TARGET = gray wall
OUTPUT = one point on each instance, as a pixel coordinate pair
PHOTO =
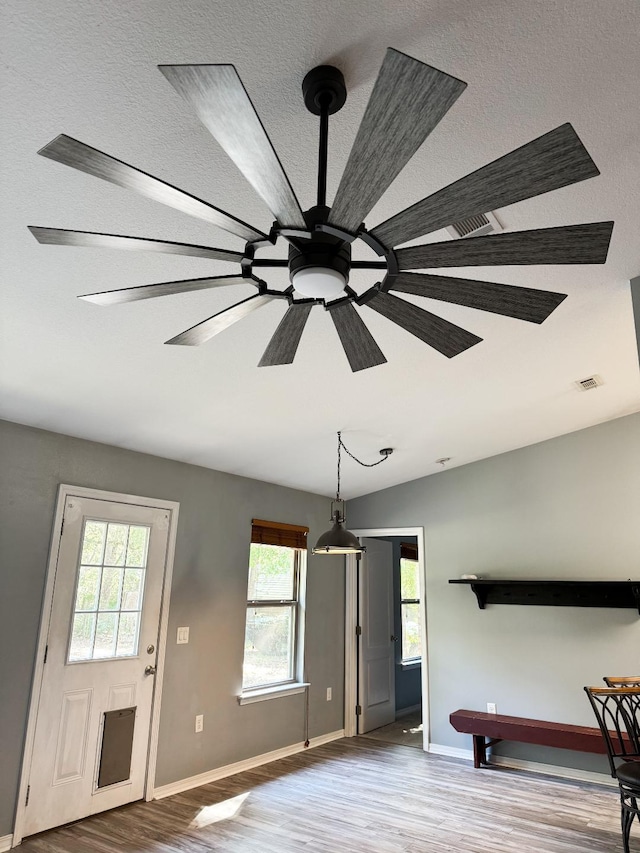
(208, 594)
(564, 508)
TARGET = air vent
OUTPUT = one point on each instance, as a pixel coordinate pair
(590, 382)
(475, 226)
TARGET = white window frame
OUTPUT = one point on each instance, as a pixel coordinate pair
(295, 684)
(416, 660)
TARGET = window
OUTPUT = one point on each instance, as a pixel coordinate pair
(411, 648)
(109, 589)
(272, 646)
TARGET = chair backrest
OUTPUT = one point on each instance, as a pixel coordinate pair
(622, 680)
(617, 710)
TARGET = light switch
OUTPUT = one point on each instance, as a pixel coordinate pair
(183, 635)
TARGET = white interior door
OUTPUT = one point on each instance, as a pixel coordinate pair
(103, 634)
(376, 664)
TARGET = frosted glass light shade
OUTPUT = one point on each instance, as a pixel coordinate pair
(319, 283)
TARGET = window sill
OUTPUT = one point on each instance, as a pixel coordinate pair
(414, 664)
(272, 692)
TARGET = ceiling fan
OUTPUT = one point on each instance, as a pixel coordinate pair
(408, 100)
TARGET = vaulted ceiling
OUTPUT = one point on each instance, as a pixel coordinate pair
(103, 373)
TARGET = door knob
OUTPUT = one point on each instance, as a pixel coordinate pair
(394, 639)
(149, 670)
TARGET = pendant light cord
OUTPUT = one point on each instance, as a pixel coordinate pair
(342, 446)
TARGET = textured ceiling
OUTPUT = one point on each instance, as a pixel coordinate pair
(89, 70)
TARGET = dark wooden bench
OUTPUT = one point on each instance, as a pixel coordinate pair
(489, 729)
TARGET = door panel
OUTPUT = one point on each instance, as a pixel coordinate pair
(104, 618)
(376, 649)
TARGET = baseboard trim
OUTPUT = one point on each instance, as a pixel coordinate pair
(5, 842)
(450, 751)
(240, 766)
(530, 766)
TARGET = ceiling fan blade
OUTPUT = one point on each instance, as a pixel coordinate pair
(66, 237)
(523, 303)
(201, 332)
(64, 149)
(408, 100)
(283, 345)
(568, 244)
(167, 288)
(222, 104)
(357, 341)
(440, 334)
(547, 163)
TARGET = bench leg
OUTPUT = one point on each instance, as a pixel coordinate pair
(479, 751)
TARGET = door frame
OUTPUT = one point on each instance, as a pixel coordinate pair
(350, 639)
(65, 491)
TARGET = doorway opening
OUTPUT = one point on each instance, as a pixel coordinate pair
(386, 664)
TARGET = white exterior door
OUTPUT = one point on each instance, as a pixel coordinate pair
(376, 668)
(103, 634)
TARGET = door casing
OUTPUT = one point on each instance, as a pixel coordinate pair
(350, 640)
(65, 491)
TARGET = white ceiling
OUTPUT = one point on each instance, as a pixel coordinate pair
(89, 70)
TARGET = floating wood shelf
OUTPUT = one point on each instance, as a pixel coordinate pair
(555, 593)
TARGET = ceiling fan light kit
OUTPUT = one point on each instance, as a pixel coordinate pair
(408, 100)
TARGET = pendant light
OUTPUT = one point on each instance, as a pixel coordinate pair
(339, 540)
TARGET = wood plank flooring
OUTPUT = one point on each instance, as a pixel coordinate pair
(360, 796)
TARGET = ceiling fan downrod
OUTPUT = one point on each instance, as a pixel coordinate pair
(325, 93)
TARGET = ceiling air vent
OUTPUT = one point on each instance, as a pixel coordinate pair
(475, 226)
(590, 382)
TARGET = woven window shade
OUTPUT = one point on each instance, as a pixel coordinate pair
(278, 533)
(408, 551)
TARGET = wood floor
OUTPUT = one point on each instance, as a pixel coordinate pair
(360, 796)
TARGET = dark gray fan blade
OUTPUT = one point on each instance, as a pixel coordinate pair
(65, 237)
(167, 288)
(523, 303)
(283, 345)
(357, 341)
(549, 162)
(222, 104)
(568, 244)
(219, 322)
(408, 100)
(71, 152)
(440, 334)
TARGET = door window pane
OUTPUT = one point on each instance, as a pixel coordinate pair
(110, 589)
(82, 636)
(108, 600)
(93, 542)
(88, 584)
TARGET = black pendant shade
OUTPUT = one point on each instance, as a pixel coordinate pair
(338, 540)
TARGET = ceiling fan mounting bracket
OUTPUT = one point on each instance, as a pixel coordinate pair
(324, 88)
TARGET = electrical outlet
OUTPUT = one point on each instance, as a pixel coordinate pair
(199, 722)
(328, 694)
(183, 635)
(492, 708)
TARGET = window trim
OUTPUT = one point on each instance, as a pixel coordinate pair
(295, 684)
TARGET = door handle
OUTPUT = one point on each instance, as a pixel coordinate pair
(149, 670)
(394, 639)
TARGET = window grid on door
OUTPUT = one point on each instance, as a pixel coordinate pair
(109, 591)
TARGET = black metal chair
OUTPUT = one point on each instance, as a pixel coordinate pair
(617, 710)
